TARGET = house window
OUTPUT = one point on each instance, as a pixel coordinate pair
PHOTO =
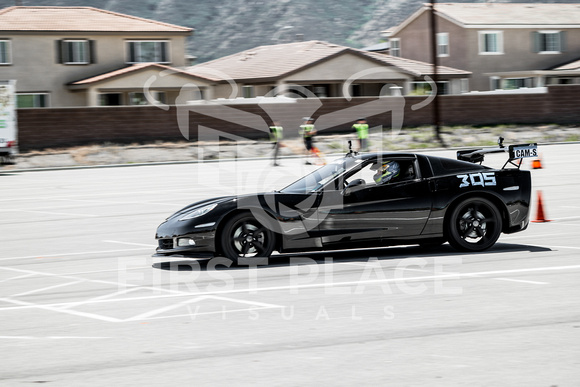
(148, 51)
(137, 99)
(161, 97)
(464, 85)
(494, 83)
(31, 100)
(395, 48)
(516, 83)
(357, 90)
(248, 91)
(443, 44)
(490, 42)
(548, 42)
(424, 88)
(320, 91)
(5, 52)
(75, 51)
(110, 99)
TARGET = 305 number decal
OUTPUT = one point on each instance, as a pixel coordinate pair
(482, 179)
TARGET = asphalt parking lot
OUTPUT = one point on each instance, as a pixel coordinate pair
(82, 301)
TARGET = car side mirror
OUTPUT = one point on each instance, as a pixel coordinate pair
(353, 186)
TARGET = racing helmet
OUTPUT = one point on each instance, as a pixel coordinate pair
(386, 171)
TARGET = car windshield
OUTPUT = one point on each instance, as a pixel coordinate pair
(322, 176)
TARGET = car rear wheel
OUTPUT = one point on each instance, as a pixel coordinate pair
(244, 237)
(474, 225)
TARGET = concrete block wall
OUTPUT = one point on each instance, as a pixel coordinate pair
(65, 127)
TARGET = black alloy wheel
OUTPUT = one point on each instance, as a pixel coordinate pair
(475, 224)
(244, 237)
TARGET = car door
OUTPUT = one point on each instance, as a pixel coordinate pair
(375, 212)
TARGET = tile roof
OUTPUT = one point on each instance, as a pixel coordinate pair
(127, 70)
(574, 65)
(271, 62)
(536, 14)
(413, 67)
(79, 19)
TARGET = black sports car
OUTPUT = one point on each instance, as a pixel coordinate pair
(375, 199)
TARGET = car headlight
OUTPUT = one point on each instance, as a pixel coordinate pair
(198, 212)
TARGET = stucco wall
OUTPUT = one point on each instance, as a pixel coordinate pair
(518, 53)
(36, 69)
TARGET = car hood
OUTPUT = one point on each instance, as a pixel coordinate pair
(248, 200)
(193, 206)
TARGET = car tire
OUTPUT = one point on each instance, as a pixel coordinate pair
(475, 224)
(244, 237)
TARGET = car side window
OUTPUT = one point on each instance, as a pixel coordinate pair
(393, 171)
(365, 173)
(384, 172)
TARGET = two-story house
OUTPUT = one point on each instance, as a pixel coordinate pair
(83, 56)
(502, 44)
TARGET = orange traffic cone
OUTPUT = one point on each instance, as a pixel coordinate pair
(537, 163)
(540, 216)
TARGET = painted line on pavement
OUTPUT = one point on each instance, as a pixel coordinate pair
(194, 314)
(72, 254)
(40, 273)
(563, 247)
(522, 281)
(53, 309)
(59, 213)
(18, 277)
(46, 288)
(454, 276)
(152, 313)
(131, 243)
(53, 338)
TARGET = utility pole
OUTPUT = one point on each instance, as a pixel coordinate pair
(436, 112)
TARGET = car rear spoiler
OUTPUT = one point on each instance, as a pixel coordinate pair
(516, 152)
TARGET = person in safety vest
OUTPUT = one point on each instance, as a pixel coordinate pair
(386, 171)
(308, 131)
(362, 131)
(276, 134)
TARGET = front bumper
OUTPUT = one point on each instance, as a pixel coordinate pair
(199, 244)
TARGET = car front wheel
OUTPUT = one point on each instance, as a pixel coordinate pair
(474, 225)
(244, 237)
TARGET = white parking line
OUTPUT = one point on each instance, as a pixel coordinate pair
(522, 281)
(563, 247)
(194, 314)
(46, 288)
(58, 213)
(53, 309)
(53, 338)
(152, 313)
(18, 277)
(363, 264)
(418, 270)
(40, 273)
(73, 254)
(131, 243)
(57, 307)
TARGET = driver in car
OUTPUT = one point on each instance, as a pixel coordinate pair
(386, 171)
